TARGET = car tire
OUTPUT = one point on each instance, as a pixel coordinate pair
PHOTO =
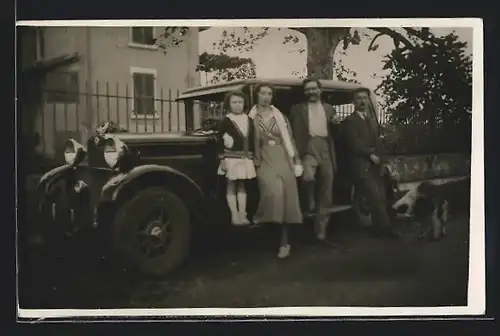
(127, 234)
(360, 209)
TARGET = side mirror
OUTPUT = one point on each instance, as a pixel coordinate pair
(383, 139)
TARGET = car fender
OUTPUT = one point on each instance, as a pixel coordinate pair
(113, 188)
(50, 178)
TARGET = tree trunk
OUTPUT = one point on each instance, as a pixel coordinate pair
(321, 45)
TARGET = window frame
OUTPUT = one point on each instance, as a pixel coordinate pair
(35, 50)
(50, 92)
(141, 45)
(40, 43)
(145, 71)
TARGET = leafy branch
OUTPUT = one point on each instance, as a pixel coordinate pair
(225, 68)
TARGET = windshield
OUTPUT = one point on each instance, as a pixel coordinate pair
(284, 99)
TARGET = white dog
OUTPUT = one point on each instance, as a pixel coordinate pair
(428, 209)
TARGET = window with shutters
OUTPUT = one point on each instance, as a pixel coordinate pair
(62, 87)
(144, 86)
(142, 36)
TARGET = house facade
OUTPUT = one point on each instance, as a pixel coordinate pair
(121, 75)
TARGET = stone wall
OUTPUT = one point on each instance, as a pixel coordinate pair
(410, 168)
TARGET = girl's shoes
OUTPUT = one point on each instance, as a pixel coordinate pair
(284, 251)
(236, 219)
(243, 219)
(240, 219)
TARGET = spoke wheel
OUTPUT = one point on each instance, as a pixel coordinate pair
(154, 235)
(152, 232)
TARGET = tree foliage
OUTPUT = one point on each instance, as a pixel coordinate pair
(428, 95)
(321, 43)
(213, 62)
(247, 70)
(222, 67)
(429, 84)
(171, 37)
(342, 73)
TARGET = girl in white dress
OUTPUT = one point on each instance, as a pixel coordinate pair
(236, 154)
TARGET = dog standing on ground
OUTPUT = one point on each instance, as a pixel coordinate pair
(427, 208)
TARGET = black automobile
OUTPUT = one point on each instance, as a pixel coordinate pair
(143, 195)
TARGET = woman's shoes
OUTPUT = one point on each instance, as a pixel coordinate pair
(321, 236)
(284, 251)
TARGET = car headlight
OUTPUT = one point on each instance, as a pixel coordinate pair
(74, 152)
(114, 149)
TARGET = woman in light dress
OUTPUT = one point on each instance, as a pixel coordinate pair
(278, 166)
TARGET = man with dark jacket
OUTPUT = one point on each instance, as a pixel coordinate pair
(361, 133)
(312, 123)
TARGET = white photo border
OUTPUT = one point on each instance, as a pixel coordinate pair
(476, 287)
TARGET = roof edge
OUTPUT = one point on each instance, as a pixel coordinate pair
(48, 65)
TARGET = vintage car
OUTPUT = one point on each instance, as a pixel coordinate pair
(142, 196)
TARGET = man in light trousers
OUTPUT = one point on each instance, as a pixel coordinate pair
(313, 125)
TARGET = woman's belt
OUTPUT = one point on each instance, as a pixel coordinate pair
(236, 154)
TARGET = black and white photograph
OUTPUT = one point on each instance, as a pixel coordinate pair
(306, 167)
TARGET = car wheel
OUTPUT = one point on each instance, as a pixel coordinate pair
(152, 232)
(360, 209)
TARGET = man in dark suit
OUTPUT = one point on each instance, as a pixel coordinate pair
(362, 136)
(312, 122)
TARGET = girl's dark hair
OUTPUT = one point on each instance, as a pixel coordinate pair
(259, 86)
(227, 99)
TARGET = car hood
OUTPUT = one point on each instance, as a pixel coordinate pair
(172, 137)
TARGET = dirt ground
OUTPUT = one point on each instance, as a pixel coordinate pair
(242, 270)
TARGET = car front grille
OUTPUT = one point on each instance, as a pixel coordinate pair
(94, 178)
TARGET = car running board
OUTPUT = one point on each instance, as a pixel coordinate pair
(330, 210)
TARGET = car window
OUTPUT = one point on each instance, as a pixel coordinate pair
(284, 99)
(341, 100)
(344, 110)
(211, 109)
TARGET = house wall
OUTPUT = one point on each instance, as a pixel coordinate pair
(58, 121)
(107, 58)
(112, 60)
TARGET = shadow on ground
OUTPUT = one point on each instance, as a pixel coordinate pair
(243, 271)
(240, 269)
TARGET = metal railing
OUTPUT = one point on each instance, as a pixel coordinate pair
(66, 114)
(63, 113)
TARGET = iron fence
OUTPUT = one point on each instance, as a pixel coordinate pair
(414, 139)
(64, 115)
